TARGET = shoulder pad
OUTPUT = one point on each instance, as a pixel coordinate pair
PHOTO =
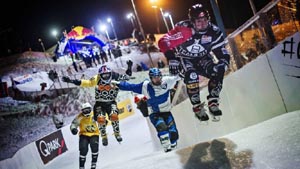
(215, 28)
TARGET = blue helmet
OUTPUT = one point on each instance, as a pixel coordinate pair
(154, 72)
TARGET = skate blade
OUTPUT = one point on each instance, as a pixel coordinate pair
(215, 118)
(205, 123)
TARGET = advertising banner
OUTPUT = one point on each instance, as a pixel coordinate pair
(51, 146)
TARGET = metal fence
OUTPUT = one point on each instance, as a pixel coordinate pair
(276, 21)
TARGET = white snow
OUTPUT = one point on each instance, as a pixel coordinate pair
(273, 144)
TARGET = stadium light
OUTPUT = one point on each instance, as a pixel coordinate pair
(113, 28)
(103, 28)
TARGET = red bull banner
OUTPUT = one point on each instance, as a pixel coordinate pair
(79, 32)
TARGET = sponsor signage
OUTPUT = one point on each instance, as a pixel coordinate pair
(51, 146)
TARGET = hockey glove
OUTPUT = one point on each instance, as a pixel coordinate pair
(170, 55)
(68, 80)
(220, 67)
(174, 67)
(123, 77)
(74, 131)
(115, 83)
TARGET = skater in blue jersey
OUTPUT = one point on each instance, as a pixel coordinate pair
(157, 92)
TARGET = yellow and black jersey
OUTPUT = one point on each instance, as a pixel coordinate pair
(104, 90)
(87, 126)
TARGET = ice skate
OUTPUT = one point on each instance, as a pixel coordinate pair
(200, 112)
(118, 137)
(215, 111)
(93, 166)
(173, 145)
(165, 142)
(104, 140)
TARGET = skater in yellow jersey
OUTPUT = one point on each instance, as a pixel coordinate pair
(88, 134)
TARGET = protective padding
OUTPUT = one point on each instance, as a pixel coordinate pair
(101, 120)
(114, 117)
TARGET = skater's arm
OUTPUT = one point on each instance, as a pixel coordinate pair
(74, 125)
(137, 88)
(90, 82)
(83, 83)
(174, 38)
(219, 49)
(171, 80)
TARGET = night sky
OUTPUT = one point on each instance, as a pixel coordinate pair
(29, 20)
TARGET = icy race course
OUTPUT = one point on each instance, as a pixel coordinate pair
(259, 128)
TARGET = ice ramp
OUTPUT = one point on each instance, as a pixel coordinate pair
(261, 146)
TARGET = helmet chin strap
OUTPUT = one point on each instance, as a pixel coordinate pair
(157, 83)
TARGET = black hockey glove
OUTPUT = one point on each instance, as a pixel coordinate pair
(220, 67)
(170, 55)
(68, 80)
(174, 67)
(74, 131)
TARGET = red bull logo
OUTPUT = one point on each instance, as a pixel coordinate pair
(79, 33)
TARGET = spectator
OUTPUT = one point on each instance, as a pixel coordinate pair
(139, 68)
(144, 66)
(151, 38)
(129, 67)
(160, 64)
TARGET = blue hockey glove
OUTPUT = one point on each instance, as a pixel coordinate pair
(174, 67)
(74, 131)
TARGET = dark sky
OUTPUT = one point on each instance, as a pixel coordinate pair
(29, 20)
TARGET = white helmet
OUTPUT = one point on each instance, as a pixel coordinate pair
(86, 109)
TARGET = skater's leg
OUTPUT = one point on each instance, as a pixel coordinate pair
(114, 118)
(214, 89)
(162, 131)
(100, 117)
(193, 90)
(94, 144)
(83, 150)
(173, 132)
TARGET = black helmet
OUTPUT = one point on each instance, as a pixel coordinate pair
(198, 11)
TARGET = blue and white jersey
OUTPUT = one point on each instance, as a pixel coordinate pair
(159, 99)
